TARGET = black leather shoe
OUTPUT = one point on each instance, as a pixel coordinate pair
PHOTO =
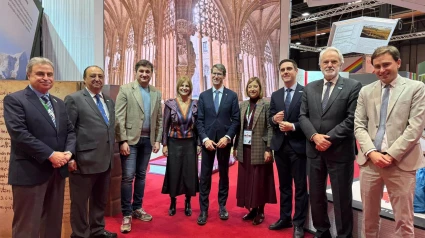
(251, 215)
(202, 219)
(224, 215)
(326, 234)
(187, 207)
(280, 224)
(258, 219)
(106, 234)
(298, 232)
(172, 210)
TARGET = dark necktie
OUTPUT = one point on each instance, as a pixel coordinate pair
(382, 118)
(326, 96)
(101, 109)
(288, 99)
(49, 107)
(217, 100)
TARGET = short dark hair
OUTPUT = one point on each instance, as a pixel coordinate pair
(219, 67)
(85, 70)
(289, 60)
(392, 50)
(144, 63)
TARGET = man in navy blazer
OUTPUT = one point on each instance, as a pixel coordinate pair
(42, 142)
(288, 143)
(218, 122)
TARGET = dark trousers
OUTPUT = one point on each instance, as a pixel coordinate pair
(38, 209)
(89, 194)
(292, 167)
(341, 175)
(207, 164)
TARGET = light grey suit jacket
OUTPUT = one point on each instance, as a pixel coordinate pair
(130, 114)
(405, 121)
(95, 138)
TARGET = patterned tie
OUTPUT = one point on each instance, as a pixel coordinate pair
(49, 108)
(288, 99)
(101, 109)
(326, 96)
(217, 100)
(382, 118)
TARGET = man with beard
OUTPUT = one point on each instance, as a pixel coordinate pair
(327, 120)
(138, 129)
(218, 122)
(93, 116)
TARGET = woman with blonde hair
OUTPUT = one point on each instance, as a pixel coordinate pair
(181, 146)
(255, 186)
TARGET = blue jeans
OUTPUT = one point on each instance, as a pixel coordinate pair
(134, 165)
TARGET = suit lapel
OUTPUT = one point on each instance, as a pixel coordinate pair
(395, 93)
(153, 95)
(335, 92)
(57, 113)
(34, 100)
(258, 109)
(137, 95)
(244, 107)
(91, 103)
(376, 94)
(295, 98)
(318, 95)
(223, 100)
(110, 109)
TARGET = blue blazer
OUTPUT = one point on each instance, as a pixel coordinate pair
(34, 137)
(296, 138)
(216, 125)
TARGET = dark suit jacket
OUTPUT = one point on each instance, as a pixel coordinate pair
(336, 121)
(216, 125)
(34, 137)
(277, 103)
(95, 139)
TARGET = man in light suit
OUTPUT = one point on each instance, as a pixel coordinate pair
(93, 115)
(327, 120)
(218, 122)
(288, 143)
(42, 142)
(389, 121)
(138, 130)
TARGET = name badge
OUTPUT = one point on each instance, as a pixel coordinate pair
(247, 134)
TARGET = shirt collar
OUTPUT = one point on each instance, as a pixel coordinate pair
(333, 81)
(221, 89)
(93, 94)
(393, 83)
(38, 93)
(293, 87)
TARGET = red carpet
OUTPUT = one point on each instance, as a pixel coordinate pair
(179, 225)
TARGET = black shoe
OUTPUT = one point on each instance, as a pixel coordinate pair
(326, 234)
(202, 219)
(224, 215)
(172, 210)
(187, 207)
(251, 215)
(280, 224)
(298, 232)
(258, 219)
(106, 234)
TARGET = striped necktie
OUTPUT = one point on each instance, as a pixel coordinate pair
(48, 105)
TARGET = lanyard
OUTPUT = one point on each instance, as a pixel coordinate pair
(248, 114)
(44, 104)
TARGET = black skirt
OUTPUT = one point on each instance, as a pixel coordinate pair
(181, 175)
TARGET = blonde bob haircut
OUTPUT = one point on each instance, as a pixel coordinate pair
(182, 80)
(254, 79)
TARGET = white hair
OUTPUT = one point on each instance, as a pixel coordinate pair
(341, 57)
(37, 60)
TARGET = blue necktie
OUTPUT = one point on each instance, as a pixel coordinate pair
(382, 118)
(49, 108)
(101, 109)
(326, 96)
(288, 99)
(217, 100)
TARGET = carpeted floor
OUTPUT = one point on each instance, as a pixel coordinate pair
(179, 225)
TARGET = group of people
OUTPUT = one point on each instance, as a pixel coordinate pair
(318, 123)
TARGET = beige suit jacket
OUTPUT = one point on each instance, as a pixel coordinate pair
(130, 114)
(405, 121)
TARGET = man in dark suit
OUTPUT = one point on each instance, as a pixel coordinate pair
(288, 143)
(327, 120)
(42, 142)
(93, 115)
(218, 122)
